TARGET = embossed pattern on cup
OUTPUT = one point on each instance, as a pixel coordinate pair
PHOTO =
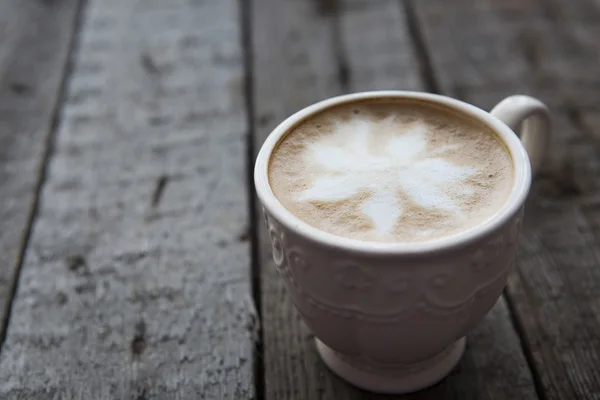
(428, 301)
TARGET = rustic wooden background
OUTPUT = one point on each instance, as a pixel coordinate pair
(131, 263)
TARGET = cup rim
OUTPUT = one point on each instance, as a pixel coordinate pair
(512, 205)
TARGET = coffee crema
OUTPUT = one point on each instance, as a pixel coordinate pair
(391, 170)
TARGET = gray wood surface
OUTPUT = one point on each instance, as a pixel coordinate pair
(32, 62)
(307, 51)
(484, 50)
(136, 280)
(294, 64)
(132, 194)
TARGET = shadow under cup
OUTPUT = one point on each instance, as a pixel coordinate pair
(391, 317)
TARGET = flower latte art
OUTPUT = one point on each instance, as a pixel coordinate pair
(403, 165)
(391, 171)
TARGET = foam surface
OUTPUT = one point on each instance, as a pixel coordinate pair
(390, 171)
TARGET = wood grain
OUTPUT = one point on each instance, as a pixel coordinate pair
(32, 63)
(304, 52)
(483, 51)
(294, 65)
(136, 281)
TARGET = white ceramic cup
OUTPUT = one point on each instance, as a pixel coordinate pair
(392, 317)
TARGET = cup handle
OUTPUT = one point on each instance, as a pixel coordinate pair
(534, 118)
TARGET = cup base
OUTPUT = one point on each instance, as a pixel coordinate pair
(392, 378)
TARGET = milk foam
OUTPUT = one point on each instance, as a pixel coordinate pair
(382, 177)
(402, 166)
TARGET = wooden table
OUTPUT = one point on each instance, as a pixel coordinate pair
(132, 265)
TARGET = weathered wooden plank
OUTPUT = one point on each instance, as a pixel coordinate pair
(551, 54)
(376, 46)
(294, 65)
(362, 45)
(32, 63)
(136, 281)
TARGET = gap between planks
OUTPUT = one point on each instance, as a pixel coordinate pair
(41, 173)
(246, 40)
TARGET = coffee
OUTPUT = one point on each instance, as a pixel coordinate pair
(391, 170)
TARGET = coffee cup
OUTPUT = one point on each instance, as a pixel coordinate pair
(392, 316)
